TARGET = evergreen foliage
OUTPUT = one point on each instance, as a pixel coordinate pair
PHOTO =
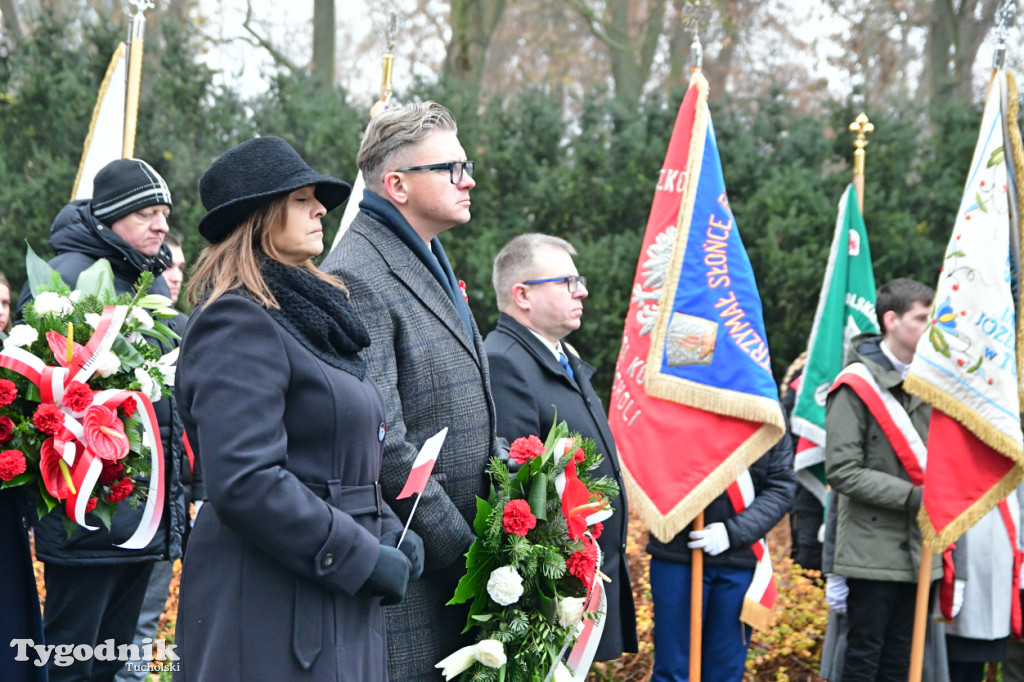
(587, 176)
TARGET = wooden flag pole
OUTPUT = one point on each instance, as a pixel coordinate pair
(131, 105)
(862, 126)
(696, 604)
(924, 583)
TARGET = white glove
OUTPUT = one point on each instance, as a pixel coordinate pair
(836, 592)
(958, 595)
(714, 539)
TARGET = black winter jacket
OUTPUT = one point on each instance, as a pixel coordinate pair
(774, 485)
(80, 240)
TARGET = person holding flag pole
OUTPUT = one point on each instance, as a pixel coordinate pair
(968, 362)
(695, 363)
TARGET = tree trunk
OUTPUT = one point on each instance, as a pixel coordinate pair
(323, 41)
(955, 32)
(631, 56)
(12, 24)
(473, 23)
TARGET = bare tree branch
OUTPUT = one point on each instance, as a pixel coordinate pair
(279, 58)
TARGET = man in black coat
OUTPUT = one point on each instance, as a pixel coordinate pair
(94, 590)
(536, 377)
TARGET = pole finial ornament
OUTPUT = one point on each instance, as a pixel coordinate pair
(138, 26)
(696, 15)
(863, 127)
(390, 33)
(1006, 15)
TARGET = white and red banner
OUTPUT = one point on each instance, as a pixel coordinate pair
(968, 360)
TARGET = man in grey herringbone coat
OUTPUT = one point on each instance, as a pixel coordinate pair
(427, 356)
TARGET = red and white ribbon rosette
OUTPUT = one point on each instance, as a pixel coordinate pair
(82, 429)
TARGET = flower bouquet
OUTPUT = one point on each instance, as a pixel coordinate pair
(533, 572)
(76, 421)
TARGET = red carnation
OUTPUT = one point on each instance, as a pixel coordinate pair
(597, 529)
(525, 449)
(91, 504)
(8, 392)
(583, 564)
(12, 463)
(6, 429)
(579, 455)
(48, 418)
(129, 406)
(121, 490)
(518, 518)
(78, 397)
(112, 471)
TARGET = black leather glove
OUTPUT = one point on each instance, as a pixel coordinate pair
(390, 575)
(412, 548)
(500, 450)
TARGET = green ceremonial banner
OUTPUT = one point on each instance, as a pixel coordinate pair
(846, 308)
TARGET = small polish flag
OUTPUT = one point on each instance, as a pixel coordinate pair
(423, 464)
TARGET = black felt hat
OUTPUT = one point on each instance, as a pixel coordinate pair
(253, 174)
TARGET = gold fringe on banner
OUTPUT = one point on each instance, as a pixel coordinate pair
(1017, 154)
(756, 615)
(666, 525)
(975, 423)
(939, 541)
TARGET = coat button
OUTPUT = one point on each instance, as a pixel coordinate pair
(904, 545)
(327, 561)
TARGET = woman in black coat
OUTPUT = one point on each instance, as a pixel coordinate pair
(291, 556)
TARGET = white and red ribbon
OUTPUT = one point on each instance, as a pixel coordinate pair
(762, 590)
(891, 417)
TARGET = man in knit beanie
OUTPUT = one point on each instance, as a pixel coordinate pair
(95, 590)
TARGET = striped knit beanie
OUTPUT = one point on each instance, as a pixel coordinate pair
(125, 186)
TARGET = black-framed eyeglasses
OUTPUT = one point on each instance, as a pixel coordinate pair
(455, 169)
(572, 282)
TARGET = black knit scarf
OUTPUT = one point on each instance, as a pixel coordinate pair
(318, 315)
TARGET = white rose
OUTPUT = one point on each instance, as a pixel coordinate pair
(22, 335)
(505, 585)
(51, 303)
(570, 610)
(93, 320)
(145, 321)
(75, 295)
(490, 652)
(107, 363)
(147, 385)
